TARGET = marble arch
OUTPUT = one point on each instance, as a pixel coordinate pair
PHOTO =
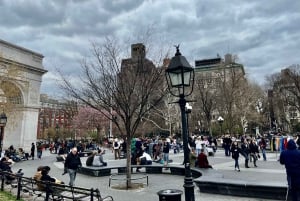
(21, 72)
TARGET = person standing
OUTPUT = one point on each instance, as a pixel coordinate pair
(198, 144)
(298, 141)
(72, 164)
(116, 147)
(291, 159)
(226, 144)
(32, 150)
(235, 153)
(39, 150)
(193, 158)
(166, 150)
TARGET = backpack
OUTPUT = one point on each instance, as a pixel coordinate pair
(116, 144)
(89, 161)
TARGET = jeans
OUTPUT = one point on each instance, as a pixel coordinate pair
(72, 174)
(263, 151)
(198, 151)
(236, 163)
(227, 150)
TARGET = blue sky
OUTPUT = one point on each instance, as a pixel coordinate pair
(264, 34)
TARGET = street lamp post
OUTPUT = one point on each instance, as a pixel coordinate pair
(220, 120)
(188, 110)
(180, 79)
(3, 121)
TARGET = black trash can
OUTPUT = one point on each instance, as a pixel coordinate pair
(169, 195)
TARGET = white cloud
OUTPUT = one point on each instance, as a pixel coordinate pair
(265, 35)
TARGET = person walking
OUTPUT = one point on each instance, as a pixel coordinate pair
(245, 151)
(291, 159)
(254, 153)
(262, 145)
(32, 150)
(235, 153)
(72, 164)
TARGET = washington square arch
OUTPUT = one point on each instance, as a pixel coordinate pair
(21, 72)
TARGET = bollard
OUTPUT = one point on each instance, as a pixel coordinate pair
(169, 195)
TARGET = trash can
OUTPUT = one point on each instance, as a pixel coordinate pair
(169, 195)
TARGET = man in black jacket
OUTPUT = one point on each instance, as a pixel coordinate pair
(72, 164)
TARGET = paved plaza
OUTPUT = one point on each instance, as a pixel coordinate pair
(267, 171)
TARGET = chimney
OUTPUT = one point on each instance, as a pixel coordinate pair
(138, 51)
(228, 59)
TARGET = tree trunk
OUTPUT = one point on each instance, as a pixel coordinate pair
(128, 162)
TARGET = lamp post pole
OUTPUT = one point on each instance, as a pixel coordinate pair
(188, 179)
(188, 110)
(180, 78)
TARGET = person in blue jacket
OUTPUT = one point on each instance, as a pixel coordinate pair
(291, 159)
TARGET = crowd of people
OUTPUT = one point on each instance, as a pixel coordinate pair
(145, 151)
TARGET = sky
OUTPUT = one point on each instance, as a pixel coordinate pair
(264, 34)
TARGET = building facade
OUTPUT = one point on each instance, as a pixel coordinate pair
(21, 72)
(55, 118)
(213, 80)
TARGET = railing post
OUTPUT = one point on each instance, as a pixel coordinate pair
(2, 181)
(19, 187)
(92, 194)
(47, 192)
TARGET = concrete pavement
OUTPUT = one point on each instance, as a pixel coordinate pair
(269, 170)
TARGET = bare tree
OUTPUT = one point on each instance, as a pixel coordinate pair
(230, 92)
(286, 95)
(206, 102)
(89, 119)
(124, 94)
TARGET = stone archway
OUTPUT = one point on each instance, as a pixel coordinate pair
(21, 73)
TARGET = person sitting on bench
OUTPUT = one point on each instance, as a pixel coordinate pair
(202, 160)
(5, 166)
(144, 159)
(90, 159)
(98, 159)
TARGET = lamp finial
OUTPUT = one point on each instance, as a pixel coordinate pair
(177, 50)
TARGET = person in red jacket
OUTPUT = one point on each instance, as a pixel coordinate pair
(202, 160)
